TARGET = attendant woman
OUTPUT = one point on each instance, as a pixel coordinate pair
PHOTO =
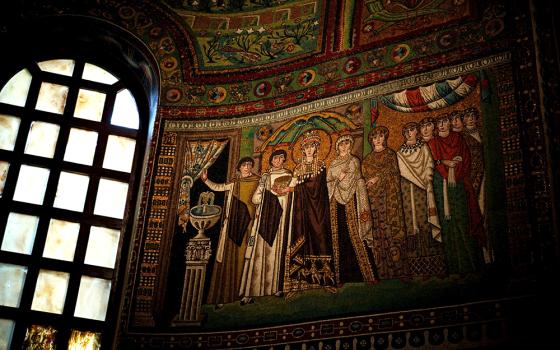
(459, 214)
(350, 215)
(381, 172)
(423, 229)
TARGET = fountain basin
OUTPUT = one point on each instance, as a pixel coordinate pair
(203, 217)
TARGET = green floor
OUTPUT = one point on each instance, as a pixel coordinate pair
(353, 299)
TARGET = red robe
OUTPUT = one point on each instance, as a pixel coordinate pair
(447, 148)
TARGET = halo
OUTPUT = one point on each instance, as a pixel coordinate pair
(322, 152)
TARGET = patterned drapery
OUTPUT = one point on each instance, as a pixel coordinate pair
(199, 155)
(431, 97)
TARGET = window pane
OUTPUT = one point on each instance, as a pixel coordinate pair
(119, 154)
(20, 233)
(4, 167)
(111, 198)
(52, 98)
(6, 331)
(94, 73)
(61, 240)
(93, 298)
(13, 278)
(90, 105)
(9, 127)
(71, 192)
(50, 292)
(15, 91)
(31, 184)
(39, 337)
(64, 67)
(84, 340)
(81, 146)
(125, 112)
(42, 139)
(102, 247)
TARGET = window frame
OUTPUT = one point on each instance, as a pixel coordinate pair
(146, 98)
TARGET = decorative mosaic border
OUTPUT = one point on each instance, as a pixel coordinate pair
(165, 35)
(335, 101)
(448, 325)
(550, 74)
(518, 230)
(156, 223)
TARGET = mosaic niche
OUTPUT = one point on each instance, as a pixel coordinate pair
(397, 199)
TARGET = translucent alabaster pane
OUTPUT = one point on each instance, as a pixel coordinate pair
(119, 153)
(89, 105)
(31, 184)
(93, 298)
(102, 247)
(81, 146)
(6, 332)
(9, 127)
(13, 278)
(84, 340)
(61, 240)
(111, 198)
(4, 167)
(125, 111)
(63, 67)
(52, 98)
(71, 191)
(100, 75)
(19, 235)
(50, 292)
(42, 139)
(15, 91)
(40, 338)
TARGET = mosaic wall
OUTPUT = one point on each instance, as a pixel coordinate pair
(395, 195)
(291, 175)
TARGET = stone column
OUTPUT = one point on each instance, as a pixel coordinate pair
(197, 254)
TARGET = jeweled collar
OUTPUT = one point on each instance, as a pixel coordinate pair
(406, 148)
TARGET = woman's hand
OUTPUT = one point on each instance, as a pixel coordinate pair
(372, 182)
(449, 163)
(343, 174)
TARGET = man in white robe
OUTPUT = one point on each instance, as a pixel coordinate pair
(264, 258)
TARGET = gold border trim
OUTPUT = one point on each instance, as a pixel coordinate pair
(342, 99)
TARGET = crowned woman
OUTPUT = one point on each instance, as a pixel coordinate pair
(350, 215)
(310, 261)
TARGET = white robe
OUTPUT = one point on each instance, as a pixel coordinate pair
(353, 184)
(263, 263)
(417, 166)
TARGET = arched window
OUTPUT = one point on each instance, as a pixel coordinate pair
(72, 142)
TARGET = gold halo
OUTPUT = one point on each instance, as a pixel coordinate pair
(323, 151)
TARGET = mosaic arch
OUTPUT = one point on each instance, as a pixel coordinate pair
(273, 55)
